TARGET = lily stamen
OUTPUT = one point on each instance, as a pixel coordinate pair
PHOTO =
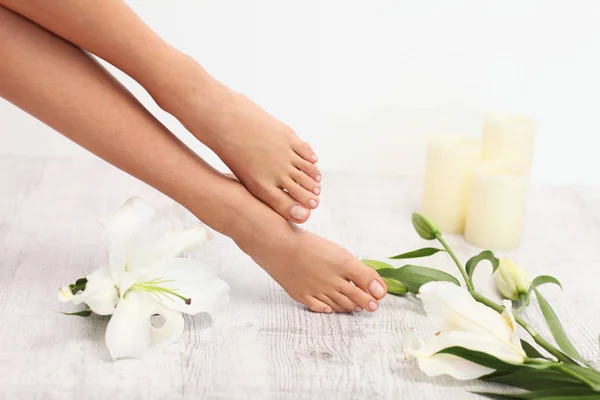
(152, 287)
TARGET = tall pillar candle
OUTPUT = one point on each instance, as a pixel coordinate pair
(497, 205)
(448, 173)
(508, 137)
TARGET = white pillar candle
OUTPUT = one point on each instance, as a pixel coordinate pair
(508, 137)
(448, 174)
(497, 205)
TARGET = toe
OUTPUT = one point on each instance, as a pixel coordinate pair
(365, 278)
(331, 303)
(304, 150)
(308, 168)
(302, 195)
(286, 206)
(345, 301)
(317, 305)
(306, 181)
(362, 299)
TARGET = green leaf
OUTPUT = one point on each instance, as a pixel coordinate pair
(424, 252)
(494, 396)
(542, 279)
(84, 313)
(425, 228)
(534, 379)
(484, 255)
(558, 393)
(480, 358)
(413, 276)
(376, 264)
(393, 286)
(78, 286)
(589, 376)
(556, 328)
(531, 351)
(80, 281)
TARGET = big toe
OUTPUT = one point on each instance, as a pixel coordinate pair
(367, 279)
(286, 206)
(304, 150)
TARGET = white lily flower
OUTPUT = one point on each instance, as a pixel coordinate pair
(145, 277)
(463, 322)
(512, 280)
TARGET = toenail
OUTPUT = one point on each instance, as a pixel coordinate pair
(316, 191)
(328, 310)
(312, 203)
(372, 306)
(318, 178)
(298, 212)
(358, 309)
(314, 158)
(377, 289)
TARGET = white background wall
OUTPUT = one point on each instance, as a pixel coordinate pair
(366, 82)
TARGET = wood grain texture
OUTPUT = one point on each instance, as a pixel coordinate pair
(264, 346)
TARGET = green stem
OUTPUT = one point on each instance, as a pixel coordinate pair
(468, 281)
(499, 308)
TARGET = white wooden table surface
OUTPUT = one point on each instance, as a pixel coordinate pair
(264, 346)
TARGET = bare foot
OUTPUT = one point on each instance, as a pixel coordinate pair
(263, 153)
(315, 271)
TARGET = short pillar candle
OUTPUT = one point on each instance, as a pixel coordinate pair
(448, 173)
(497, 205)
(508, 137)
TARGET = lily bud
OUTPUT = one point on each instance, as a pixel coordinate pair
(65, 294)
(513, 282)
(425, 228)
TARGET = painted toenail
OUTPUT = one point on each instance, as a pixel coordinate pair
(312, 203)
(377, 289)
(328, 310)
(316, 191)
(372, 306)
(318, 178)
(314, 158)
(358, 309)
(298, 212)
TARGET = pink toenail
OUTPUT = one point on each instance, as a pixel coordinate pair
(318, 178)
(314, 158)
(312, 203)
(358, 309)
(328, 310)
(377, 289)
(372, 306)
(316, 191)
(298, 212)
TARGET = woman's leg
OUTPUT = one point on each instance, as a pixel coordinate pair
(261, 151)
(64, 87)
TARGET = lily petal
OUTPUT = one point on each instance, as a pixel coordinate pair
(157, 244)
(449, 364)
(504, 351)
(509, 317)
(194, 280)
(433, 364)
(100, 293)
(133, 217)
(128, 331)
(451, 308)
(172, 329)
(411, 342)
